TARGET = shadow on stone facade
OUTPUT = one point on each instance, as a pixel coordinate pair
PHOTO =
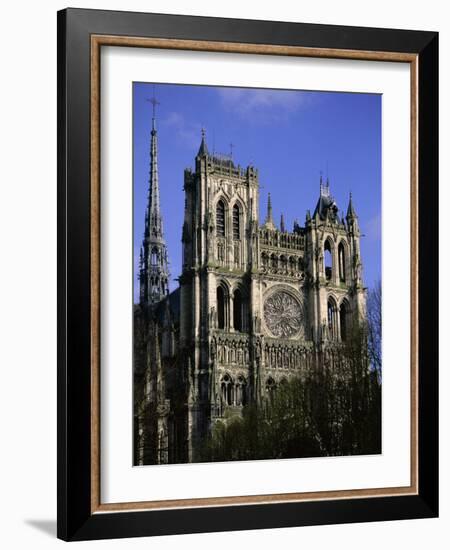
(257, 307)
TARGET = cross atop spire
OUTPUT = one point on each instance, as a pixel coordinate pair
(154, 103)
(203, 149)
(351, 214)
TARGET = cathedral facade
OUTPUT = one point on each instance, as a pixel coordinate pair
(257, 304)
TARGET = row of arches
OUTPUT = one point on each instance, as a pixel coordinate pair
(288, 264)
(277, 356)
(339, 319)
(286, 240)
(222, 220)
(156, 257)
(233, 352)
(232, 309)
(233, 393)
(329, 260)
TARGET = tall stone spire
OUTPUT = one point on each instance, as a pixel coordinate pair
(351, 217)
(269, 218)
(153, 220)
(154, 274)
(203, 149)
(351, 210)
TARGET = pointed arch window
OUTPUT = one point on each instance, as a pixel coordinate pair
(241, 397)
(264, 260)
(237, 310)
(236, 222)
(223, 307)
(344, 320)
(154, 257)
(328, 260)
(332, 320)
(292, 264)
(341, 258)
(220, 308)
(220, 219)
(226, 387)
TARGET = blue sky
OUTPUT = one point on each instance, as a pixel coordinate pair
(290, 136)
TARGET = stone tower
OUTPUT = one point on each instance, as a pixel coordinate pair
(221, 215)
(334, 270)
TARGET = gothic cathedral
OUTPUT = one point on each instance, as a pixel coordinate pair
(256, 303)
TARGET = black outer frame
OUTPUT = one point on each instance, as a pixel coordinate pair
(75, 521)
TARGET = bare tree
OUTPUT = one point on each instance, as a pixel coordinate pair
(333, 409)
(374, 327)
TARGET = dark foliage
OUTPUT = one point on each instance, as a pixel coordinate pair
(335, 409)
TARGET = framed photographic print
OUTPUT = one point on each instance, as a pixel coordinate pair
(247, 274)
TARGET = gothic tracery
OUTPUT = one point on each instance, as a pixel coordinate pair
(257, 303)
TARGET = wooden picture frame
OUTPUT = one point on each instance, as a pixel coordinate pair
(81, 35)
